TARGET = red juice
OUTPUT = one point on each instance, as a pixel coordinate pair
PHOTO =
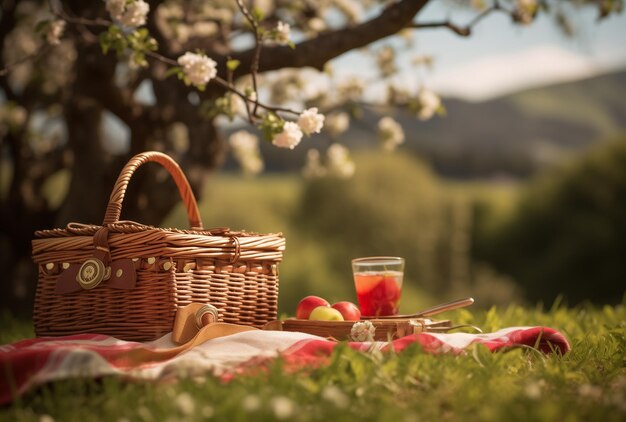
(378, 293)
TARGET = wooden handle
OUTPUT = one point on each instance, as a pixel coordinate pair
(434, 310)
(114, 208)
(455, 304)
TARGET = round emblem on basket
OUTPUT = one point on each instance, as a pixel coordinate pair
(91, 273)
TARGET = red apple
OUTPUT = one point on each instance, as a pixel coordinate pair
(325, 313)
(349, 311)
(306, 306)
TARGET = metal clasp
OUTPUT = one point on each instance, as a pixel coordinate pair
(92, 273)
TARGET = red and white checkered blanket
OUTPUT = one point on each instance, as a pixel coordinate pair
(27, 364)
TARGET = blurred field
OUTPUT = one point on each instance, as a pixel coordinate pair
(502, 242)
(499, 241)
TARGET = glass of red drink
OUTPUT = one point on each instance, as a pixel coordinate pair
(378, 283)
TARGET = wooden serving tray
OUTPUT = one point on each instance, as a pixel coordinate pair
(386, 329)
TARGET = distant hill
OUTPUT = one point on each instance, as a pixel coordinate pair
(512, 135)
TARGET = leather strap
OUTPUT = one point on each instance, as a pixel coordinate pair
(208, 332)
(123, 276)
(188, 334)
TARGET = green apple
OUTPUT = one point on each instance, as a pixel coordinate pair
(325, 313)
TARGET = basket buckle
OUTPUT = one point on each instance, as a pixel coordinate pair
(92, 273)
(212, 316)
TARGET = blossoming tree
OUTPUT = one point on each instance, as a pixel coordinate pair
(67, 67)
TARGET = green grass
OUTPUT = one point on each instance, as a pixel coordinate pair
(589, 383)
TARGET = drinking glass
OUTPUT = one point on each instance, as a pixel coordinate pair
(378, 283)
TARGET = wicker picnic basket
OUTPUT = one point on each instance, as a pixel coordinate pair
(127, 279)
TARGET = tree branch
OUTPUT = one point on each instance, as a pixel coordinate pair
(254, 66)
(31, 57)
(330, 44)
(464, 31)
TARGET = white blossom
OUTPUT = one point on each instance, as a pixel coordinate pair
(429, 103)
(526, 4)
(243, 141)
(251, 403)
(310, 121)
(316, 24)
(12, 114)
(185, 403)
(390, 133)
(205, 29)
(12, 117)
(282, 31)
(425, 60)
(198, 68)
(115, 8)
(237, 105)
(336, 396)
(207, 412)
(351, 9)
(352, 89)
(337, 122)
(178, 136)
(525, 10)
(252, 165)
(478, 4)
(59, 66)
(339, 163)
(283, 407)
(533, 390)
(386, 61)
(55, 31)
(313, 168)
(589, 391)
(245, 147)
(135, 14)
(362, 331)
(129, 14)
(290, 137)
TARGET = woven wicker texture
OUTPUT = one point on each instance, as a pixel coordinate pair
(234, 271)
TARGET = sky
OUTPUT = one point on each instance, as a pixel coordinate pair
(500, 57)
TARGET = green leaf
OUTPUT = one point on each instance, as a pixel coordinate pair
(105, 43)
(152, 44)
(41, 26)
(142, 32)
(257, 14)
(232, 64)
(271, 125)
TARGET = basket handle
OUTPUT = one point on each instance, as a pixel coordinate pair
(114, 208)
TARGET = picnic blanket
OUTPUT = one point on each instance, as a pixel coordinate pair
(29, 363)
